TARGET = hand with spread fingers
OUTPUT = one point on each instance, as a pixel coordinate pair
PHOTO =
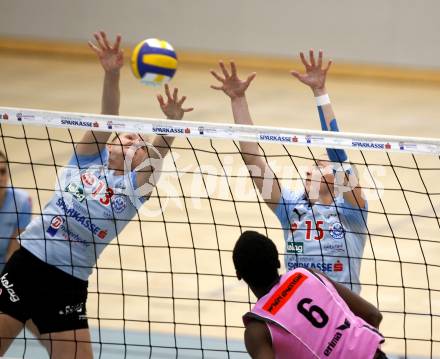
(110, 56)
(315, 74)
(231, 84)
(172, 107)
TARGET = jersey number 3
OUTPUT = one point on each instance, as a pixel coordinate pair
(315, 315)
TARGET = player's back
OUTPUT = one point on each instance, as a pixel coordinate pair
(308, 319)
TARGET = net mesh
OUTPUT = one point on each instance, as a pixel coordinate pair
(166, 286)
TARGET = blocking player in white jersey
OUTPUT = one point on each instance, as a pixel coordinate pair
(302, 314)
(46, 279)
(325, 222)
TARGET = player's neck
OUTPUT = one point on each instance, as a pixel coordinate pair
(261, 292)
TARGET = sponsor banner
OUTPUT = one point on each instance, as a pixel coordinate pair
(368, 145)
(168, 130)
(293, 247)
(24, 117)
(333, 248)
(275, 138)
(55, 224)
(115, 125)
(284, 292)
(84, 221)
(9, 287)
(335, 266)
(219, 131)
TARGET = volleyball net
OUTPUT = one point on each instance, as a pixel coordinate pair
(166, 286)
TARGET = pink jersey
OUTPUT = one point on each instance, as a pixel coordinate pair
(308, 319)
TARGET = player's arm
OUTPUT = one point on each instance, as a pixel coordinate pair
(172, 107)
(358, 305)
(258, 341)
(111, 58)
(13, 245)
(24, 218)
(259, 169)
(315, 76)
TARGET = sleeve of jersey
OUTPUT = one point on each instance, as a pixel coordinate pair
(142, 193)
(25, 214)
(335, 155)
(357, 217)
(85, 161)
(288, 201)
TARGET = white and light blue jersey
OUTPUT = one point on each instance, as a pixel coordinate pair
(90, 207)
(15, 214)
(330, 238)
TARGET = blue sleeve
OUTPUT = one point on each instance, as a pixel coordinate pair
(84, 161)
(355, 216)
(25, 212)
(133, 180)
(287, 203)
(335, 155)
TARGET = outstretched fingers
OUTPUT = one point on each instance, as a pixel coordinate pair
(161, 100)
(117, 43)
(312, 58)
(223, 68)
(250, 78)
(320, 55)
(167, 92)
(99, 41)
(304, 60)
(94, 48)
(181, 101)
(233, 69)
(330, 62)
(295, 74)
(217, 76)
(105, 40)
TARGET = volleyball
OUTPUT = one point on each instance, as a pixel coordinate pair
(154, 62)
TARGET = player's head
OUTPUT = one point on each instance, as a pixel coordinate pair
(127, 145)
(4, 172)
(320, 180)
(256, 260)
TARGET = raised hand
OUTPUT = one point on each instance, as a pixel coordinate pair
(172, 107)
(231, 85)
(110, 56)
(315, 74)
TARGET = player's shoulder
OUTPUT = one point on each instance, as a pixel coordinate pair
(257, 332)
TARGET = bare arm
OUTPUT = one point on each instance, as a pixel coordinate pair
(259, 169)
(173, 110)
(13, 244)
(358, 305)
(315, 77)
(258, 342)
(112, 59)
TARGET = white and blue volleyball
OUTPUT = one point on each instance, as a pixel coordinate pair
(154, 62)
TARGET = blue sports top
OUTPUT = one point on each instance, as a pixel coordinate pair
(330, 238)
(15, 214)
(90, 207)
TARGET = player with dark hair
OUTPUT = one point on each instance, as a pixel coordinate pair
(15, 213)
(302, 314)
(324, 222)
(98, 194)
